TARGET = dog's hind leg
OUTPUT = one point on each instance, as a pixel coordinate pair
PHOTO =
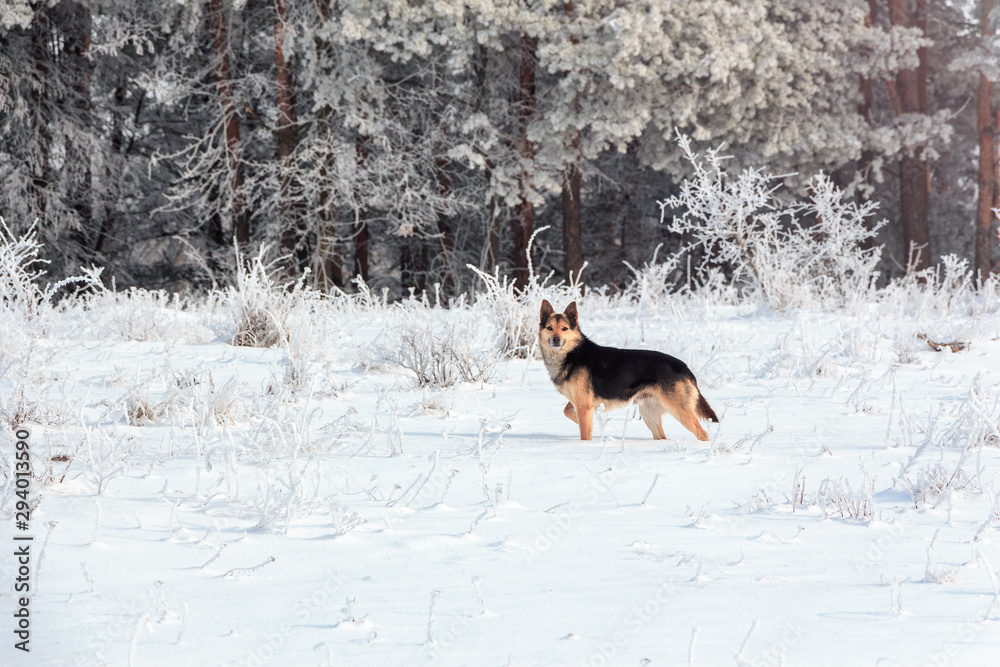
(570, 412)
(689, 419)
(682, 402)
(651, 410)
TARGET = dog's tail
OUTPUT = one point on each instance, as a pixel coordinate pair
(705, 410)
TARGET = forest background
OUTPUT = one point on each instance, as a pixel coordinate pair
(402, 141)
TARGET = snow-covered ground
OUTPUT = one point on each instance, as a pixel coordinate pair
(202, 503)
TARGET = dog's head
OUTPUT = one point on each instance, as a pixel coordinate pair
(558, 331)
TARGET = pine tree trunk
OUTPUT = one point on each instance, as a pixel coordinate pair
(987, 180)
(445, 231)
(996, 169)
(114, 163)
(292, 231)
(224, 85)
(492, 258)
(328, 261)
(285, 131)
(491, 251)
(522, 224)
(524, 218)
(865, 88)
(910, 96)
(42, 107)
(413, 265)
(361, 249)
(920, 21)
(361, 236)
(865, 110)
(914, 203)
(572, 237)
(987, 163)
(75, 25)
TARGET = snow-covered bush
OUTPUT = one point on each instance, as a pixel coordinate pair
(189, 400)
(836, 253)
(513, 311)
(105, 454)
(262, 308)
(770, 249)
(945, 289)
(208, 404)
(22, 293)
(141, 315)
(933, 482)
(20, 268)
(24, 303)
(441, 349)
(968, 428)
(837, 495)
(510, 311)
(652, 281)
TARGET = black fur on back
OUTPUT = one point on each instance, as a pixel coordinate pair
(618, 374)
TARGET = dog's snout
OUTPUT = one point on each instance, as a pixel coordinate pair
(555, 342)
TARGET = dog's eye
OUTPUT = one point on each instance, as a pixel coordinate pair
(548, 328)
(565, 329)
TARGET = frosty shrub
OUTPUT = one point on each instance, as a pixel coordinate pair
(652, 281)
(105, 454)
(137, 314)
(515, 312)
(441, 350)
(968, 428)
(510, 311)
(836, 254)
(24, 302)
(770, 249)
(933, 482)
(20, 267)
(30, 401)
(210, 405)
(261, 307)
(21, 292)
(837, 495)
(945, 289)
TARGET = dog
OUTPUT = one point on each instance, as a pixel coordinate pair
(589, 374)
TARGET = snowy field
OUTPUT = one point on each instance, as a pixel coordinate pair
(311, 503)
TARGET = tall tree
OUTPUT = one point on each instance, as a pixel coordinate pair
(987, 159)
(42, 108)
(230, 119)
(326, 260)
(572, 235)
(490, 257)
(290, 221)
(446, 225)
(75, 24)
(523, 221)
(909, 96)
(865, 110)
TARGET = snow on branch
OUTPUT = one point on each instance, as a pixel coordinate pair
(784, 254)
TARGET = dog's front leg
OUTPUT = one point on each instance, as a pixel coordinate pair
(585, 418)
(570, 412)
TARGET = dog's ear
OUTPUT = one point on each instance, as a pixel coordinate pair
(571, 314)
(545, 313)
